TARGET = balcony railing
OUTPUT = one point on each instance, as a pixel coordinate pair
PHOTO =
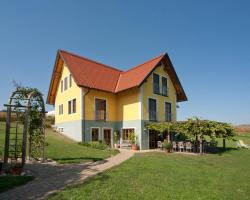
(101, 115)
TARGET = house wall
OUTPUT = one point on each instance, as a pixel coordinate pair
(127, 109)
(70, 123)
(147, 92)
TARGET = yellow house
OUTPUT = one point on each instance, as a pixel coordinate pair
(92, 100)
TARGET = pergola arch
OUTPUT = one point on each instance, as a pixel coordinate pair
(25, 120)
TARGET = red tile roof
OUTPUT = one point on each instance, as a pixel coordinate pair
(136, 75)
(92, 74)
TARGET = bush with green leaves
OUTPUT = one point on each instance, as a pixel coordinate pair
(96, 145)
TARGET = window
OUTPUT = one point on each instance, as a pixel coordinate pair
(152, 109)
(62, 86)
(61, 109)
(168, 114)
(156, 83)
(95, 134)
(70, 80)
(72, 106)
(164, 86)
(125, 133)
(69, 107)
(100, 109)
(65, 83)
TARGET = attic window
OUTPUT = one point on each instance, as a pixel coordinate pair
(156, 83)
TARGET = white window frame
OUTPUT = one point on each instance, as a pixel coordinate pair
(121, 140)
(111, 129)
(99, 133)
(156, 107)
(165, 110)
(96, 97)
(72, 113)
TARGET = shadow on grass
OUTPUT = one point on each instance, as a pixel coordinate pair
(220, 150)
(77, 159)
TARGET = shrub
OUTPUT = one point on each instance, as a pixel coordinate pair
(166, 145)
(49, 121)
(95, 145)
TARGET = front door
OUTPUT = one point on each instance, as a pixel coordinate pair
(107, 136)
(154, 137)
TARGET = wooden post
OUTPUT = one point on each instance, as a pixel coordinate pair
(25, 130)
(200, 146)
(224, 143)
(7, 135)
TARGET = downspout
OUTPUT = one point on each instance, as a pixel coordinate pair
(83, 113)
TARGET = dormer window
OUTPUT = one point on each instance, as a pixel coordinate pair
(156, 83)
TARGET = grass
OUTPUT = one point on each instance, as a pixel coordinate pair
(8, 182)
(64, 150)
(224, 176)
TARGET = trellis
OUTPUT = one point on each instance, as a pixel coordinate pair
(25, 115)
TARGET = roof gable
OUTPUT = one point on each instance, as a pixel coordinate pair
(92, 74)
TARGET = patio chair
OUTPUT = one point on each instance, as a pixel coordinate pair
(174, 146)
(181, 146)
(188, 146)
(159, 144)
(241, 144)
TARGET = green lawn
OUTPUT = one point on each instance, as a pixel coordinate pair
(224, 176)
(64, 150)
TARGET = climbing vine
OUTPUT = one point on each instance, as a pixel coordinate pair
(36, 119)
(195, 128)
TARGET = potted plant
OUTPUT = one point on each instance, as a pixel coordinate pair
(116, 138)
(16, 169)
(167, 146)
(132, 139)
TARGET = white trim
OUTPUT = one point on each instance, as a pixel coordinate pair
(99, 133)
(111, 134)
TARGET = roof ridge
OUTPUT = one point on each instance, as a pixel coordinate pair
(76, 55)
(143, 63)
(118, 81)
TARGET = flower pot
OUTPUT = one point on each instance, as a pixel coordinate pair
(134, 147)
(15, 171)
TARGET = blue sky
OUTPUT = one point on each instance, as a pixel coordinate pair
(207, 41)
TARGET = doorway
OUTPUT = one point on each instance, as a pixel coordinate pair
(107, 136)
